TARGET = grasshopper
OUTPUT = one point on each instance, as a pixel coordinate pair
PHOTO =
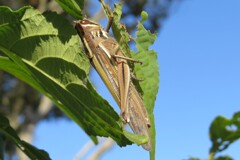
(111, 64)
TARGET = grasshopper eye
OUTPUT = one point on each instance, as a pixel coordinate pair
(84, 22)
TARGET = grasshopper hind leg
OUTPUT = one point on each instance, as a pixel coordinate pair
(124, 84)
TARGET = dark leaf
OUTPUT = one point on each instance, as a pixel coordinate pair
(31, 151)
(44, 51)
(224, 132)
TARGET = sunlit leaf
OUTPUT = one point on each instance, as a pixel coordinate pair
(44, 51)
(122, 36)
(137, 139)
(72, 7)
(149, 71)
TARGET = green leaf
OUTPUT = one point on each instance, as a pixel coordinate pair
(119, 30)
(123, 38)
(106, 9)
(144, 16)
(223, 132)
(224, 158)
(72, 7)
(31, 151)
(44, 51)
(1, 145)
(136, 138)
(192, 158)
(9, 66)
(149, 71)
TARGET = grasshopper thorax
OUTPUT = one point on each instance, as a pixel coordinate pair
(86, 26)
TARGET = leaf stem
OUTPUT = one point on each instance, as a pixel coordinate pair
(211, 156)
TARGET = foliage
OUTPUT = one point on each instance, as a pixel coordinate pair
(43, 50)
(223, 132)
(72, 7)
(52, 59)
(28, 149)
(149, 71)
(223, 158)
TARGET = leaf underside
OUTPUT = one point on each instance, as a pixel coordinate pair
(44, 51)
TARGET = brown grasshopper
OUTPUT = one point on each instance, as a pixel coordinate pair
(109, 61)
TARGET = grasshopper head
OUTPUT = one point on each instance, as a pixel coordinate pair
(85, 25)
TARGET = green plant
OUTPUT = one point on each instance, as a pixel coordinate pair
(43, 50)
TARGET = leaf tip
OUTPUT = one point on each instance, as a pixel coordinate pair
(144, 16)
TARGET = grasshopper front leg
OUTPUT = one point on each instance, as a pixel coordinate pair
(110, 20)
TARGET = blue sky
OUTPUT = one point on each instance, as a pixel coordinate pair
(199, 56)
